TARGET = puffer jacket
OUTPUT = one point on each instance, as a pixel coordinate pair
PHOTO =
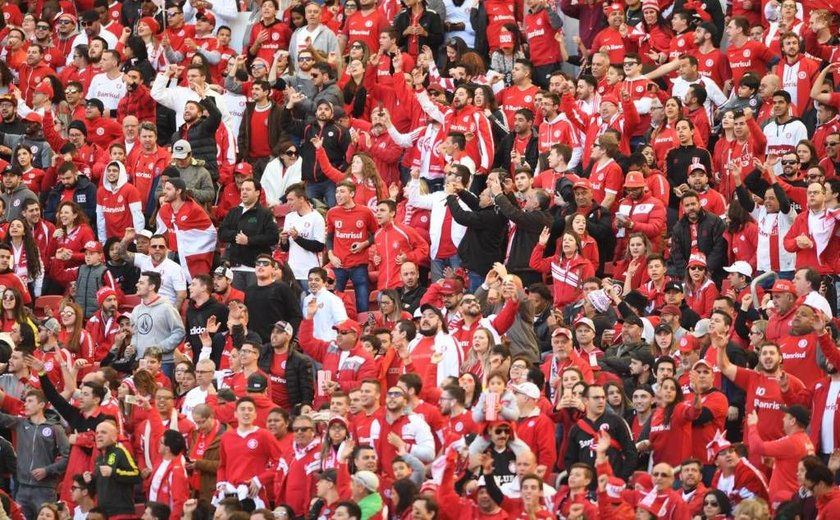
(198, 181)
(202, 136)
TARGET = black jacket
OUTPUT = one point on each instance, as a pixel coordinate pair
(430, 21)
(115, 494)
(299, 375)
(677, 162)
(275, 130)
(529, 225)
(202, 136)
(268, 304)
(581, 443)
(710, 242)
(84, 194)
(336, 140)
(505, 145)
(258, 224)
(484, 240)
(197, 321)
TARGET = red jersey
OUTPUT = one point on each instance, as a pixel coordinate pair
(611, 41)
(607, 178)
(671, 443)
(279, 35)
(764, 396)
(513, 98)
(144, 169)
(365, 27)
(349, 225)
(277, 376)
(750, 57)
(245, 456)
(540, 36)
(499, 13)
(800, 356)
(713, 65)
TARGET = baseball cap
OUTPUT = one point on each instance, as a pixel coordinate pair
(330, 475)
(206, 15)
(700, 362)
(634, 320)
(663, 327)
(52, 325)
(674, 286)
(257, 383)
(45, 87)
(696, 166)
(585, 321)
(582, 183)
(643, 356)
(800, 413)
(740, 267)
(12, 170)
(697, 259)
(529, 390)
(615, 8)
(783, 286)
(562, 331)
(90, 16)
(93, 245)
(8, 98)
(103, 294)
(435, 87)
(634, 180)
(451, 286)
(96, 103)
(32, 117)
(181, 149)
(366, 479)
(244, 168)
(224, 271)
(610, 98)
(673, 310)
(145, 233)
(285, 326)
(688, 343)
(701, 328)
(348, 325)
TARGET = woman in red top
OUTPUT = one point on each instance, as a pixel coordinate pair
(14, 313)
(362, 171)
(357, 102)
(655, 35)
(589, 248)
(741, 234)
(72, 232)
(31, 176)
(670, 426)
(632, 267)
(26, 257)
(656, 181)
(664, 136)
(390, 310)
(700, 290)
(74, 336)
(477, 360)
(568, 268)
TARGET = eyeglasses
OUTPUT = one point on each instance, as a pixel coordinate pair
(394, 394)
(170, 14)
(790, 162)
(304, 58)
(755, 333)
(67, 312)
(257, 66)
(630, 63)
(64, 22)
(87, 24)
(517, 366)
(262, 263)
(43, 27)
(356, 46)
(247, 351)
(832, 143)
(164, 397)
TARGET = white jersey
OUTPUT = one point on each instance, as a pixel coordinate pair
(330, 312)
(235, 104)
(460, 14)
(109, 91)
(171, 274)
(310, 226)
(783, 137)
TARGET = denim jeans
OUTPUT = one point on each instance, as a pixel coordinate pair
(475, 281)
(438, 264)
(323, 190)
(361, 284)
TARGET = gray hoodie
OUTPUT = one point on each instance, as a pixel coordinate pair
(14, 200)
(157, 324)
(38, 446)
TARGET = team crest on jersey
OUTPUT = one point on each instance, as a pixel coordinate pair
(369, 24)
(605, 427)
(395, 245)
(183, 218)
(802, 74)
(283, 365)
(16, 203)
(252, 444)
(120, 199)
(640, 88)
(680, 43)
(48, 366)
(703, 202)
(360, 224)
(181, 33)
(34, 149)
(802, 343)
(747, 53)
(275, 36)
(115, 14)
(46, 432)
(528, 99)
(710, 62)
(338, 225)
(459, 426)
(424, 219)
(100, 131)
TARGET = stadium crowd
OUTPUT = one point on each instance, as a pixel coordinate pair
(426, 259)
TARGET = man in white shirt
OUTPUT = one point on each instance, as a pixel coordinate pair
(204, 371)
(330, 307)
(91, 26)
(303, 234)
(109, 86)
(173, 284)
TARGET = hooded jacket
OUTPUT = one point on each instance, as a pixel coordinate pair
(38, 446)
(198, 180)
(118, 206)
(84, 194)
(13, 200)
(157, 324)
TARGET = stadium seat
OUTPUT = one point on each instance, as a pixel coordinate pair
(44, 302)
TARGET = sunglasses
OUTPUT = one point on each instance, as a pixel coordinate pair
(262, 263)
(71, 90)
(9, 297)
(87, 24)
(832, 143)
(789, 162)
(290, 153)
(662, 474)
(65, 22)
(304, 58)
(43, 27)
(302, 429)
(502, 431)
(394, 394)
(696, 268)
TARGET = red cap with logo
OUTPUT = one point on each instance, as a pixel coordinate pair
(244, 168)
(93, 245)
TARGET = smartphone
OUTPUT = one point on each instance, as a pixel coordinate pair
(141, 364)
(132, 399)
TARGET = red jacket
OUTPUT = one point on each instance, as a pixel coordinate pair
(102, 332)
(145, 448)
(537, 431)
(350, 372)
(825, 261)
(295, 482)
(138, 103)
(568, 274)
(648, 216)
(385, 153)
(392, 240)
(174, 487)
(748, 479)
(30, 76)
(828, 505)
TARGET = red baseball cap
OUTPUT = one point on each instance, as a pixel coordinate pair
(784, 286)
(688, 343)
(244, 168)
(93, 245)
(348, 326)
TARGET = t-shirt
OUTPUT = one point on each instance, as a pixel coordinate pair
(310, 227)
(171, 274)
(279, 391)
(750, 57)
(349, 225)
(259, 146)
(764, 395)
